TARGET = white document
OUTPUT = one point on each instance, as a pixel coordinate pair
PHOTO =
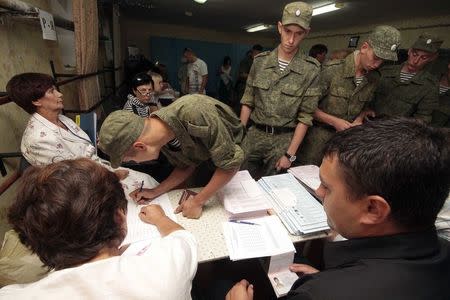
(138, 230)
(308, 174)
(47, 25)
(265, 237)
(243, 195)
(279, 274)
(299, 211)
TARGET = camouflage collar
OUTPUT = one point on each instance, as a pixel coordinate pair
(349, 66)
(295, 64)
(420, 78)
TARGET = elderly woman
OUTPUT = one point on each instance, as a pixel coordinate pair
(141, 100)
(50, 136)
(72, 214)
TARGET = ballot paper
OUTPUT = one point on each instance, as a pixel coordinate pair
(242, 197)
(138, 230)
(299, 211)
(279, 274)
(309, 175)
(257, 237)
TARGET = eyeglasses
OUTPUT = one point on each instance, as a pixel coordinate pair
(145, 92)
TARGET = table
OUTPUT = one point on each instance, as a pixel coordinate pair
(208, 229)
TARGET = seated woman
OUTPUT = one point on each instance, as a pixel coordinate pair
(141, 100)
(50, 136)
(72, 214)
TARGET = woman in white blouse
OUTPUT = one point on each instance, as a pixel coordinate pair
(50, 136)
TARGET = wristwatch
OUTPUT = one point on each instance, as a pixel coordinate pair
(291, 158)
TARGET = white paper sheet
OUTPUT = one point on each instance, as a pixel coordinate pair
(267, 238)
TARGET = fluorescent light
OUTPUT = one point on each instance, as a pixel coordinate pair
(327, 8)
(200, 1)
(257, 27)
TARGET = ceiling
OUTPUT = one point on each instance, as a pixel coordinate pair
(233, 15)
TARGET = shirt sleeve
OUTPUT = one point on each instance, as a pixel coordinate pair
(310, 102)
(249, 94)
(426, 106)
(203, 68)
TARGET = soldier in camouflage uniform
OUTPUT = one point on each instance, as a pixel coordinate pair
(408, 90)
(347, 86)
(441, 115)
(280, 97)
(193, 129)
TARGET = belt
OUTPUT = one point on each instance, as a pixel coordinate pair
(273, 129)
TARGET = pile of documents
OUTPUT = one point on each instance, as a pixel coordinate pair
(299, 211)
(243, 198)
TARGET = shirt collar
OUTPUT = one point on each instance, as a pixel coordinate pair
(405, 245)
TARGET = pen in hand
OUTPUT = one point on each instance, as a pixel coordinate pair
(142, 185)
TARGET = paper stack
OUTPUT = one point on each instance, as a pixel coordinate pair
(256, 237)
(299, 211)
(243, 198)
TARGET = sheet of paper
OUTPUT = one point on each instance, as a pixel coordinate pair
(266, 237)
(243, 194)
(138, 230)
(279, 274)
(308, 174)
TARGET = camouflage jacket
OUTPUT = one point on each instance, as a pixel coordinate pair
(417, 97)
(206, 129)
(342, 97)
(441, 115)
(282, 98)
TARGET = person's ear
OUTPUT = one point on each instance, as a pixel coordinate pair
(139, 146)
(280, 27)
(364, 47)
(37, 102)
(376, 210)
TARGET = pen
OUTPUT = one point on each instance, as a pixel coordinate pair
(244, 222)
(142, 185)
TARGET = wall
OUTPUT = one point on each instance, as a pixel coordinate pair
(410, 29)
(23, 50)
(137, 32)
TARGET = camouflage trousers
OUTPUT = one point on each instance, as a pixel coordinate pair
(310, 150)
(263, 150)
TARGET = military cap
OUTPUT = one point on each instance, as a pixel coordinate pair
(299, 13)
(427, 42)
(385, 41)
(118, 133)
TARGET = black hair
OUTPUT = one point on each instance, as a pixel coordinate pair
(402, 160)
(141, 79)
(317, 49)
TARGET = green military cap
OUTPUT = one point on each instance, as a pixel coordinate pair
(118, 133)
(299, 13)
(427, 42)
(385, 41)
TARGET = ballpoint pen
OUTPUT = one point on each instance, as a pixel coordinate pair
(142, 185)
(244, 222)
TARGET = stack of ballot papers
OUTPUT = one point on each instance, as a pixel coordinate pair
(308, 175)
(257, 237)
(299, 211)
(242, 197)
(141, 231)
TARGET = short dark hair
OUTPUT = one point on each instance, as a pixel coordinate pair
(25, 88)
(402, 160)
(66, 212)
(317, 49)
(141, 79)
(257, 47)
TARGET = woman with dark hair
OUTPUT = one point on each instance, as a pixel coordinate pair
(226, 81)
(141, 100)
(72, 214)
(50, 136)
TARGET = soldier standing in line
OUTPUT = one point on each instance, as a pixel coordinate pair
(280, 97)
(409, 90)
(347, 86)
